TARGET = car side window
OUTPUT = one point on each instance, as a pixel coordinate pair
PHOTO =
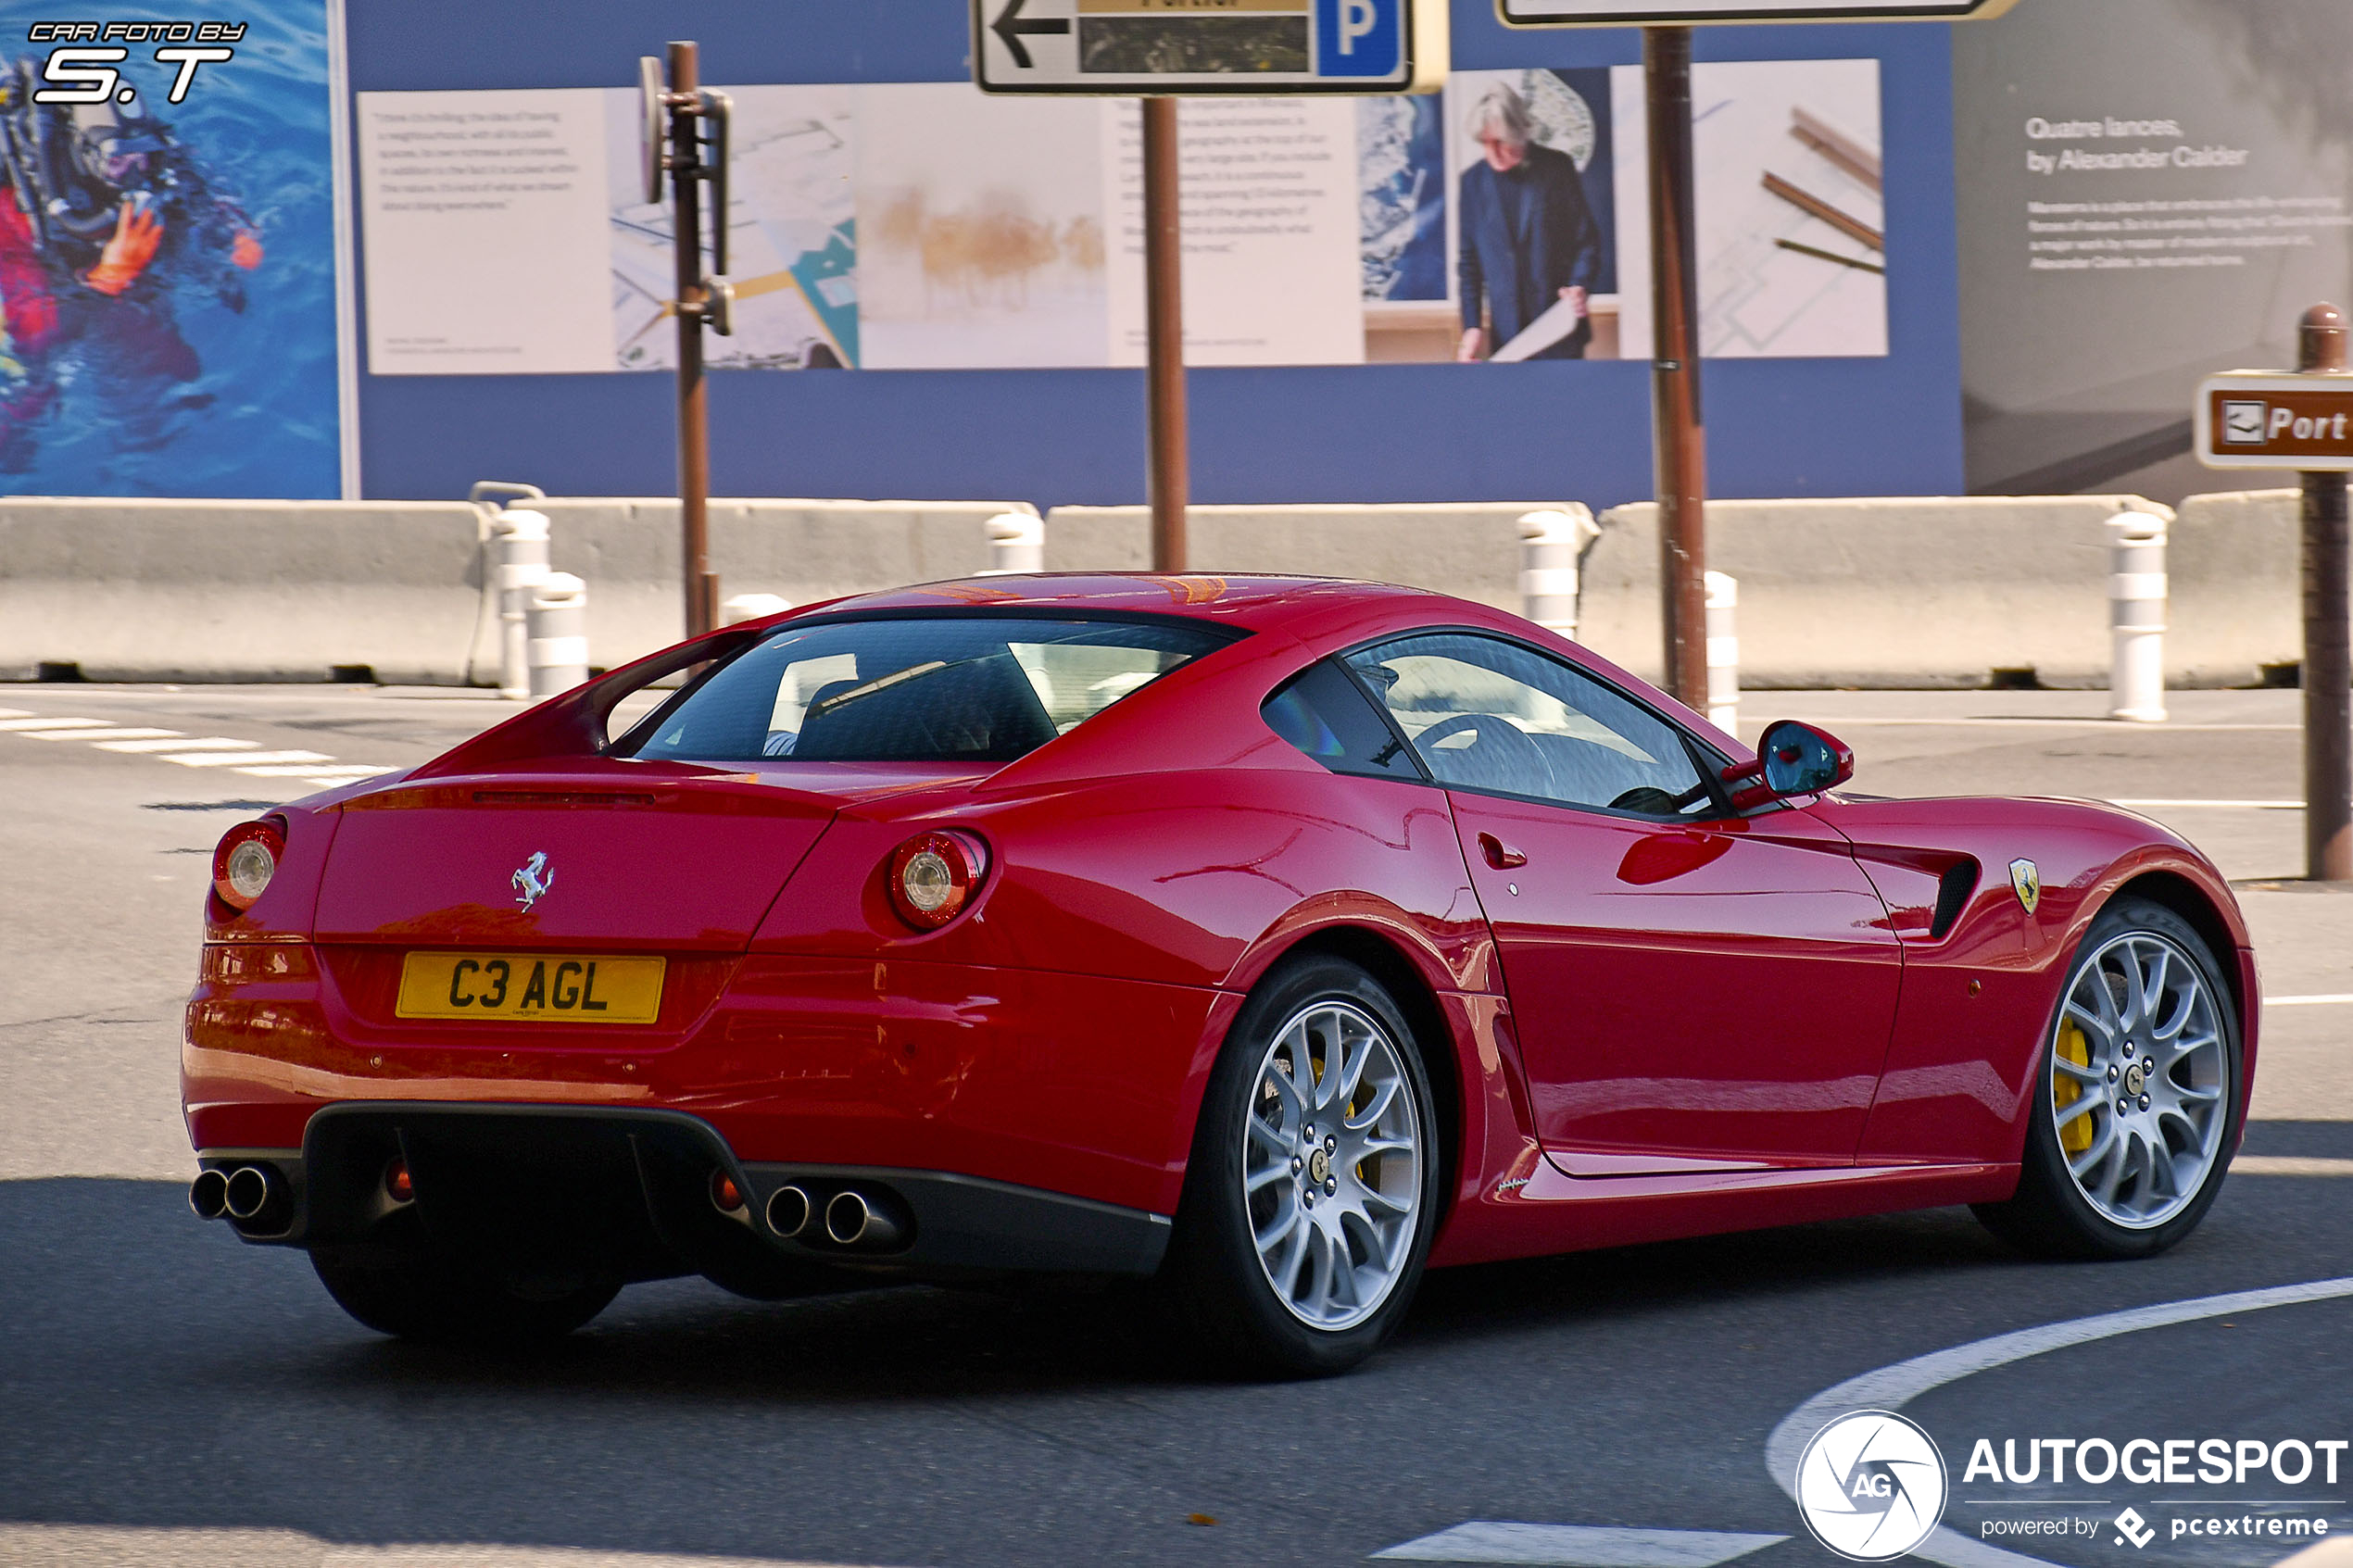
(1326, 715)
(1491, 715)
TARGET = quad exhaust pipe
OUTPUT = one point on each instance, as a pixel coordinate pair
(866, 1221)
(209, 1195)
(789, 1212)
(854, 1219)
(243, 1195)
(249, 1191)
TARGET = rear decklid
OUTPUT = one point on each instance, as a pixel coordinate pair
(626, 856)
(461, 906)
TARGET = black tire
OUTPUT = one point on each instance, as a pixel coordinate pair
(2049, 1216)
(1218, 1290)
(417, 1293)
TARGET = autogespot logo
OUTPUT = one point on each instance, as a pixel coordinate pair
(1871, 1486)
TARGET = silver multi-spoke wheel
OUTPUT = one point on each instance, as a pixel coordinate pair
(2138, 1091)
(1332, 1165)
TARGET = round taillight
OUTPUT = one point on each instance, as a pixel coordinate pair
(246, 860)
(933, 877)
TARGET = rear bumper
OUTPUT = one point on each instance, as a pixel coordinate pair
(630, 1193)
(1064, 1082)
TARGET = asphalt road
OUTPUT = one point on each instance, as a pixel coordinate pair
(169, 1397)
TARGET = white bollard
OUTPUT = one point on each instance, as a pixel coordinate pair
(558, 651)
(519, 551)
(1549, 543)
(2136, 595)
(1016, 542)
(752, 607)
(1723, 651)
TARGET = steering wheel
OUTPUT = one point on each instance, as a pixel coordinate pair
(1516, 763)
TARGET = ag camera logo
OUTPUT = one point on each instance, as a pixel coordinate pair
(1871, 1486)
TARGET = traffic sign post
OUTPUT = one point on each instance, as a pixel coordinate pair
(1161, 50)
(703, 299)
(1678, 436)
(1169, 466)
(2265, 420)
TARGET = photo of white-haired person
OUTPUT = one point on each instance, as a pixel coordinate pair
(1529, 235)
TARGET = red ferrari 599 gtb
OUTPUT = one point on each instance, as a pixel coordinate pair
(1276, 937)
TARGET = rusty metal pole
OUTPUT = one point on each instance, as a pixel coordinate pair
(694, 427)
(1677, 437)
(2328, 638)
(1164, 335)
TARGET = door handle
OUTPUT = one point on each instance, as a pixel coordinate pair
(1498, 854)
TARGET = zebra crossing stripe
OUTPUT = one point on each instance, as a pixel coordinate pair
(202, 743)
(230, 759)
(96, 734)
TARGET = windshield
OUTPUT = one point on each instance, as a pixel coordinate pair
(934, 689)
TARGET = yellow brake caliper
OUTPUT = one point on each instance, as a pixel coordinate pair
(2076, 1136)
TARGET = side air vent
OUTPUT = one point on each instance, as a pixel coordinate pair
(1953, 890)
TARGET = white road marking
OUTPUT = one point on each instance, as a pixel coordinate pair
(95, 735)
(2323, 999)
(1892, 1387)
(1578, 1545)
(2211, 805)
(311, 770)
(202, 743)
(226, 758)
(201, 751)
(2289, 1165)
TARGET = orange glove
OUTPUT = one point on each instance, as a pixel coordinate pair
(137, 234)
(245, 250)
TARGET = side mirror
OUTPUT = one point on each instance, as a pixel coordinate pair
(1793, 758)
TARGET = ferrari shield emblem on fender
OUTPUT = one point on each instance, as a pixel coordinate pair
(2027, 884)
(532, 882)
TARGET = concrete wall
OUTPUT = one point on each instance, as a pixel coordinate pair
(1898, 592)
(2237, 588)
(1470, 550)
(1912, 591)
(286, 590)
(237, 590)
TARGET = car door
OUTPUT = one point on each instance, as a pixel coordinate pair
(1690, 986)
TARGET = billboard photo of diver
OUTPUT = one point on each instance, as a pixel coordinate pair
(167, 280)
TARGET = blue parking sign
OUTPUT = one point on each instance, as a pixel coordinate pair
(1358, 37)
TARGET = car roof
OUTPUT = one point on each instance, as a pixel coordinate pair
(1256, 602)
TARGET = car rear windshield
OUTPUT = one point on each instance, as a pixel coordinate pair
(933, 689)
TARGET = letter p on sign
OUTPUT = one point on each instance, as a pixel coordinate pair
(1358, 37)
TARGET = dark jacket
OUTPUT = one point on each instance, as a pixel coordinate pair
(1528, 233)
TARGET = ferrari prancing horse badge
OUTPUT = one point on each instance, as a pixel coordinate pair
(2028, 883)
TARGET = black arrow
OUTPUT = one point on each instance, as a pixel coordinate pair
(1010, 27)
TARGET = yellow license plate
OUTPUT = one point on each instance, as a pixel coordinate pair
(531, 987)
